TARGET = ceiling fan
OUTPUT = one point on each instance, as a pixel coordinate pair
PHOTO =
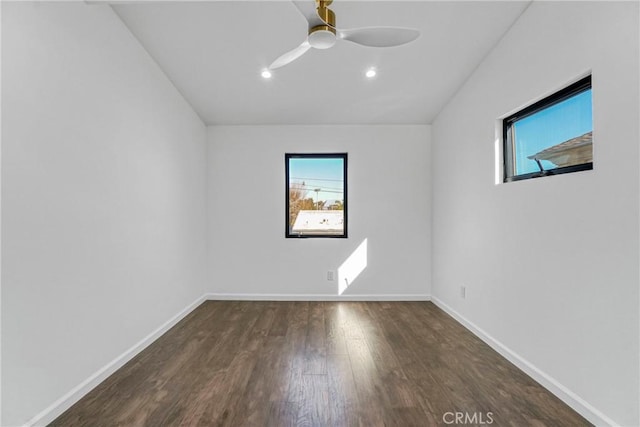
(323, 32)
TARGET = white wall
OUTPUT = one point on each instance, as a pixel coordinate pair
(103, 199)
(388, 204)
(551, 264)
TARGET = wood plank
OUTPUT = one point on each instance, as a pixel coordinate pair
(314, 401)
(294, 349)
(343, 402)
(315, 343)
(334, 328)
(371, 399)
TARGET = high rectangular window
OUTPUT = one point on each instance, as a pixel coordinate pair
(551, 136)
(316, 195)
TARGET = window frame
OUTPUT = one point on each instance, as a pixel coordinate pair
(344, 158)
(508, 150)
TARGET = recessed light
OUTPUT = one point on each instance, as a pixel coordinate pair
(371, 73)
(266, 74)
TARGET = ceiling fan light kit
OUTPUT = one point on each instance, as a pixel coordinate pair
(322, 37)
(323, 33)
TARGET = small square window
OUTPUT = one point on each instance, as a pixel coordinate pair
(316, 195)
(552, 136)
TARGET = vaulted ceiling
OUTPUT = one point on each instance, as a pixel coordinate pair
(214, 52)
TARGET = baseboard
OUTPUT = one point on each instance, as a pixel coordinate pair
(563, 393)
(65, 402)
(315, 297)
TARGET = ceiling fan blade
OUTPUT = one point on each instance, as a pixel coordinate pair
(290, 56)
(379, 36)
(308, 9)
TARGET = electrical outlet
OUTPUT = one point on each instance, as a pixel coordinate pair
(463, 291)
(330, 276)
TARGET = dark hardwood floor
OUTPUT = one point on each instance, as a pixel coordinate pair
(232, 363)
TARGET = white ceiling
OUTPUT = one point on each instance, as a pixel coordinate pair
(214, 52)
